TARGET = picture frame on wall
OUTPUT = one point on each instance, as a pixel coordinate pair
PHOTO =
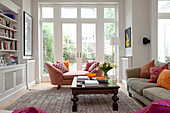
(128, 37)
(28, 41)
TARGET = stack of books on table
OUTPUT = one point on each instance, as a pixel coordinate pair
(82, 78)
(91, 83)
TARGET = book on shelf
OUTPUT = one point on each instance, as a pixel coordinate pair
(8, 45)
(91, 83)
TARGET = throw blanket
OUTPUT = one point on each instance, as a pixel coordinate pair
(158, 106)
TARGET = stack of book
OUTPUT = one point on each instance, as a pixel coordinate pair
(82, 78)
(91, 83)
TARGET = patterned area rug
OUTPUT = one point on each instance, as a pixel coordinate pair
(59, 101)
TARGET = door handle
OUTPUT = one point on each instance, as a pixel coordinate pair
(80, 54)
(77, 54)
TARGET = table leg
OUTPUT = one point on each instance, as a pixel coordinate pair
(115, 105)
(74, 99)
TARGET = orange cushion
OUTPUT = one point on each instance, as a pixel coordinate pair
(164, 79)
(66, 63)
(145, 70)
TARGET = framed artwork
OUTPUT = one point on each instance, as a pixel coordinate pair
(27, 34)
(128, 37)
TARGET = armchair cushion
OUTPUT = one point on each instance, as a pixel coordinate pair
(88, 64)
(61, 67)
(93, 66)
(72, 74)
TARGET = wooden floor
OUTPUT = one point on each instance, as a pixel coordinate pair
(47, 85)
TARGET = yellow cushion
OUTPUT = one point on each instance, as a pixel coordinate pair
(66, 63)
(164, 79)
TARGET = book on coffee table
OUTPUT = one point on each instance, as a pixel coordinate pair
(91, 83)
(82, 78)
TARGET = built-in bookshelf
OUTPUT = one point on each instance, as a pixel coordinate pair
(8, 31)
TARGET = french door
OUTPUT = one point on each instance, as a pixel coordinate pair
(78, 45)
(77, 32)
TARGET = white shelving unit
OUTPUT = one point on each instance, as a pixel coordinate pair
(7, 38)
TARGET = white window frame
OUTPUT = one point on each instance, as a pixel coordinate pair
(57, 20)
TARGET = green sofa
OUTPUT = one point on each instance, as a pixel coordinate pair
(141, 89)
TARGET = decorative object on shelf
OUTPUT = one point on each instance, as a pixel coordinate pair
(128, 37)
(106, 66)
(27, 34)
(10, 16)
(146, 40)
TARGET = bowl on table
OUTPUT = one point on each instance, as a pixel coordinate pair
(91, 75)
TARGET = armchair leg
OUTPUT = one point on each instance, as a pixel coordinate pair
(130, 95)
(59, 86)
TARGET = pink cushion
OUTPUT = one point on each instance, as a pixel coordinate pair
(72, 74)
(61, 67)
(158, 106)
(88, 64)
(29, 110)
(93, 66)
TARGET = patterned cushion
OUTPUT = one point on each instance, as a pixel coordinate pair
(66, 63)
(164, 79)
(145, 70)
(155, 71)
(61, 67)
(93, 66)
(88, 64)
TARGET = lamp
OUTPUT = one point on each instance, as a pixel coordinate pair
(146, 40)
(115, 41)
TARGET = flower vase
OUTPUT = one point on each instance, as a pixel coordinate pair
(106, 76)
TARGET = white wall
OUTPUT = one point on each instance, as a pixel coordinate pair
(138, 17)
(128, 23)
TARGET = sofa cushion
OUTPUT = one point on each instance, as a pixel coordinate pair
(155, 72)
(138, 84)
(145, 69)
(72, 74)
(155, 93)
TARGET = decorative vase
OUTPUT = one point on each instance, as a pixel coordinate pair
(105, 74)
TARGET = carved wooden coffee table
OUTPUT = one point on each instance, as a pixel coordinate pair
(104, 88)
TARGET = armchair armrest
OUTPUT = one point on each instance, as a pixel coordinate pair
(133, 73)
(56, 76)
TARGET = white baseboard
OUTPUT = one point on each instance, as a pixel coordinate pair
(124, 82)
(31, 84)
(12, 95)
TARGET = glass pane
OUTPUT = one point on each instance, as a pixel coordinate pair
(68, 12)
(163, 40)
(69, 38)
(88, 43)
(88, 13)
(47, 12)
(109, 53)
(109, 12)
(48, 44)
(164, 6)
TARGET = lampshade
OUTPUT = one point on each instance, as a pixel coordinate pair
(115, 41)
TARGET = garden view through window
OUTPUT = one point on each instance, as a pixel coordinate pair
(79, 34)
